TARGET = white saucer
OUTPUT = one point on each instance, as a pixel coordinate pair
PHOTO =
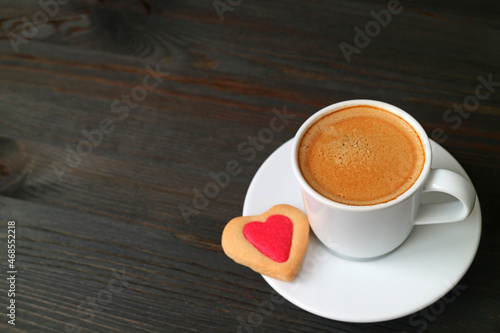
(422, 270)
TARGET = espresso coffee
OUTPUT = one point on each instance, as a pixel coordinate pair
(361, 156)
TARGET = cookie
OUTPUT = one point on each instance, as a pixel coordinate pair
(273, 243)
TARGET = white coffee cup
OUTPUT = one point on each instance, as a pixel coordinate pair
(362, 232)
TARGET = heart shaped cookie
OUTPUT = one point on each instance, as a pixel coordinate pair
(273, 243)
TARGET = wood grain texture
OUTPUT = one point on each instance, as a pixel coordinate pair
(85, 226)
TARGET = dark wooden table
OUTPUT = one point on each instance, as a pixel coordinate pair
(114, 115)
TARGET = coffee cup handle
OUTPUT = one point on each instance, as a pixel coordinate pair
(446, 181)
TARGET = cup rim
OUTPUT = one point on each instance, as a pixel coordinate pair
(359, 102)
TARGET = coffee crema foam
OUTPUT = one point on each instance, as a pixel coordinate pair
(361, 155)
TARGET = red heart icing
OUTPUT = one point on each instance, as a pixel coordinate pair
(272, 238)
